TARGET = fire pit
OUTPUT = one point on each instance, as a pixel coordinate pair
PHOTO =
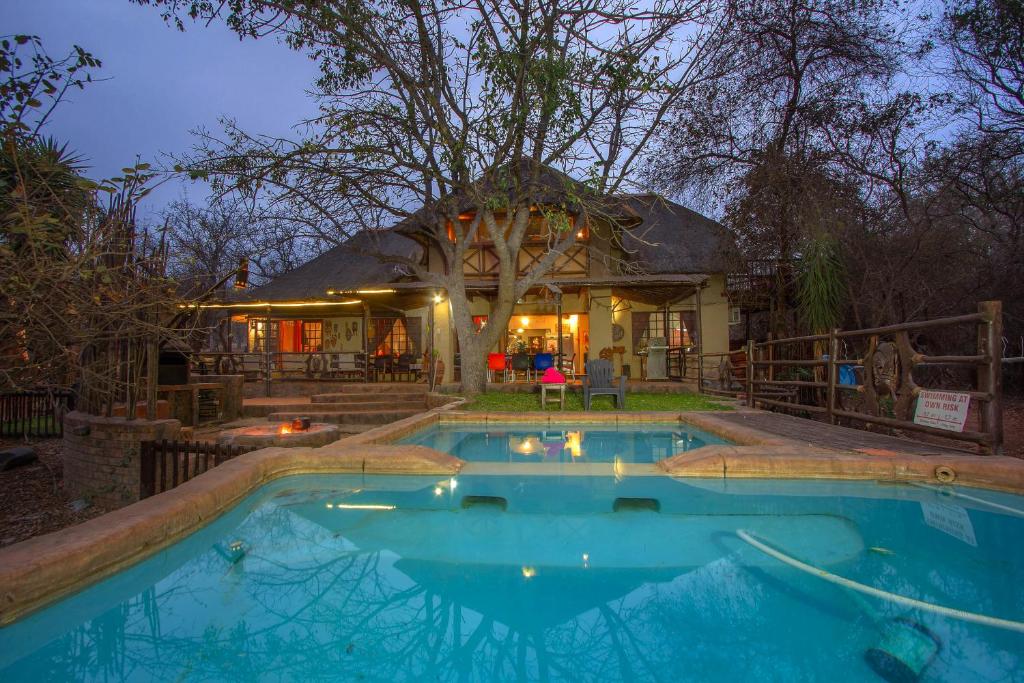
(281, 434)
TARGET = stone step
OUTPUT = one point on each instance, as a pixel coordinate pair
(383, 388)
(375, 417)
(417, 398)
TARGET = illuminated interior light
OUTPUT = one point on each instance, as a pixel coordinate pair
(438, 490)
(367, 506)
(529, 572)
(330, 505)
(525, 320)
(452, 483)
(437, 298)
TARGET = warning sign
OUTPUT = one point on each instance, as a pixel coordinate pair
(942, 409)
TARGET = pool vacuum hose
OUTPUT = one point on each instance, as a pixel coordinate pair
(907, 647)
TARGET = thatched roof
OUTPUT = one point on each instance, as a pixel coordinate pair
(351, 265)
(670, 238)
(660, 237)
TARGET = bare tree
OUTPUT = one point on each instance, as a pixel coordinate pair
(755, 141)
(985, 40)
(84, 295)
(480, 109)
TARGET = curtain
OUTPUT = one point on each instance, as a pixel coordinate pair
(414, 329)
(381, 329)
(640, 321)
(689, 319)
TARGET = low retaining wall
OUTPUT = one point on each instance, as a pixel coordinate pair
(101, 455)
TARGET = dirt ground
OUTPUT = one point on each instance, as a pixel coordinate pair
(32, 498)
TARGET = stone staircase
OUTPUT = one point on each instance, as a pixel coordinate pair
(356, 407)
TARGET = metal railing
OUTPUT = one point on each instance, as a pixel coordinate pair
(283, 365)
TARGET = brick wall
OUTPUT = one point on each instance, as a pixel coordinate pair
(101, 455)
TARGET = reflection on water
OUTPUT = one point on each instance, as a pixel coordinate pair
(566, 444)
(358, 583)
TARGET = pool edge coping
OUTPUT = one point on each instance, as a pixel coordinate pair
(42, 570)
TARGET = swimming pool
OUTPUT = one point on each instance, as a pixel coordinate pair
(553, 578)
(518, 442)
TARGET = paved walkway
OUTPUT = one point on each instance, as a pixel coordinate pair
(824, 435)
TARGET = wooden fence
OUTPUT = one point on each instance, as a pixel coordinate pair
(802, 374)
(167, 464)
(35, 413)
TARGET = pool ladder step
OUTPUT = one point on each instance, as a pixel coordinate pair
(636, 505)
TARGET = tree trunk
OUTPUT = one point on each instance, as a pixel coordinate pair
(474, 373)
(474, 346)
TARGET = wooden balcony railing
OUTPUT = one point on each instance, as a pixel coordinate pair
(482, 261)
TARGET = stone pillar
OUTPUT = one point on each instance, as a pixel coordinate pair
(101, 455)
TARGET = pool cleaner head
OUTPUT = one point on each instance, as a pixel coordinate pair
(904, 651)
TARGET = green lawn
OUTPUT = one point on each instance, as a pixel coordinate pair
(519, 402)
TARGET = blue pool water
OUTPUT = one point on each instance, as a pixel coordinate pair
(487, 578)
(633, 443)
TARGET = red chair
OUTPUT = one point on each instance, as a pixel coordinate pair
(496, 363)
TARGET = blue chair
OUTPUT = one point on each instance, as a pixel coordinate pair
(541, 362)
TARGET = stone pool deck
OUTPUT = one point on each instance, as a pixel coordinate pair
(763, 445)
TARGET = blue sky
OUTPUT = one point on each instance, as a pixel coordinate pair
(161, 83)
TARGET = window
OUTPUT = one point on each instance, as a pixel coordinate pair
(389, 336)
(257, 334)
(289, 336)
(678, 333)
(735, 315)
(312, 336)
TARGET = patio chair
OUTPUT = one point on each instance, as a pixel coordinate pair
(495, 364)
(520, 363)
(383, 365)
(403, 366)
(567, 366)
(599, 382)
(541, 362)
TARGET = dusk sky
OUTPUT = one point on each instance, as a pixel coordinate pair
(161, 84)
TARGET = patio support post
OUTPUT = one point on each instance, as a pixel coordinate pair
(266, 353)
(366, 342)
(430, 343)
(990, 375)
(558, 330)
(700, 341)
